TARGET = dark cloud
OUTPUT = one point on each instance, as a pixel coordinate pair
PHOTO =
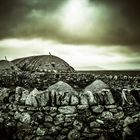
(14, 12)
(34, 18)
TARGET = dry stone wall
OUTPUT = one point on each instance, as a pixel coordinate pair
(60, 113)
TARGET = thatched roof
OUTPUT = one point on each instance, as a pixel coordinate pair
(43, 63)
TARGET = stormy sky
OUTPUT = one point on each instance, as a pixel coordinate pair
(88, 34)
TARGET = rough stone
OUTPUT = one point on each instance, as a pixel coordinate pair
(59, 97)
(43, 98)
(73, 135)
(40, 131)
(17, 115)
(67, 109)
(23, 117)
(113, 110)
(120, 108)
(119, 115)
(82, 107)
(88, 97)
(1, 120)
(18, 93)
(25, 93)
(136, 115)
(90, 118)
(94, 124)
(54, 130)
(31, 98)
(65, 131)
(74, 100)
(21, 108)
(61, 137)
(128, 120)
(59, 119)
(4, 93)
(112, 130)
(97, 109)
(77, 125)
(53, 97)
(26, 118)
(70, 117)
(107, 115)
(68, 125)
(48, 118)
(12, 107)
(48, 124)
(38, 116)
(90, 135)
(66, 99)
(127, 131)
(110, 106)
(83, 99)
(97, 130)
(108, 97)
(29, 137)
(53, 110)
(99, 121)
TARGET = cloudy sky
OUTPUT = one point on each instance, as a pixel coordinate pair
(88, 34)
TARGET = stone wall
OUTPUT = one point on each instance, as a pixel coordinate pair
(77, 80)
(60, 113)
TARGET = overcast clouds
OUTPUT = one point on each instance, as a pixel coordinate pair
(112, 27)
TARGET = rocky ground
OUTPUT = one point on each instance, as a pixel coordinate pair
(106, 108)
